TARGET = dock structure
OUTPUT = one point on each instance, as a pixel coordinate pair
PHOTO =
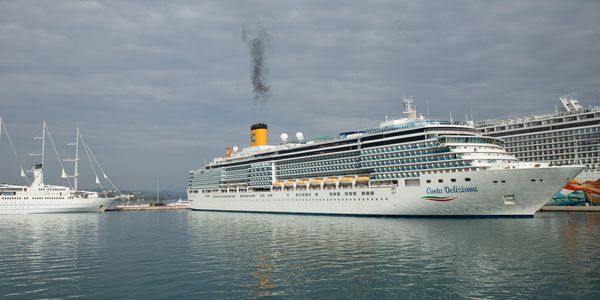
(570, 208)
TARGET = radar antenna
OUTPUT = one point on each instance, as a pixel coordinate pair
(410, 110)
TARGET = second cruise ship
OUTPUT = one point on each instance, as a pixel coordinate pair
(405, 167)
(569, 136)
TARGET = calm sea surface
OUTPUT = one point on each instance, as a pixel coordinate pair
(186, 254)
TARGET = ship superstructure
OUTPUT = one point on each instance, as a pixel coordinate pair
(569, 136)
(409, 166)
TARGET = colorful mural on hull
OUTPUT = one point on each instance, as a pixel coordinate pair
(578, 193)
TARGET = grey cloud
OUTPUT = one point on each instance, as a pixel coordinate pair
(162, 86)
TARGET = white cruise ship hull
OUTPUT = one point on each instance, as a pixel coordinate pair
(509, 193)
(40, 206)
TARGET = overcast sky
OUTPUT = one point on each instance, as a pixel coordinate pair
(160, 87)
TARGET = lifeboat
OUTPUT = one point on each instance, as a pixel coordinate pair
(362, 179)
(302, 182)
(316, 182)
(290, 183)
(331, 181)
(347, 180)
(277, 183)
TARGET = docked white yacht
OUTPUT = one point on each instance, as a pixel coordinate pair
(39, 197)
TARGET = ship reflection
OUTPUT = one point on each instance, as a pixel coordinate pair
(263, 273)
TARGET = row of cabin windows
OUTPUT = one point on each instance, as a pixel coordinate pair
(319, 164)
(451, 180)
(553, 134)
(316, 158)
(315, 199)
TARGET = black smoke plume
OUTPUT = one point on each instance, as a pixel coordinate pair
(258, 43)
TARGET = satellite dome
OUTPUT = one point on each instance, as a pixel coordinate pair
(284, 137)
(299, 136)
(235, 149)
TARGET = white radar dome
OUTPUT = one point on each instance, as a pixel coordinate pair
(299, 136)
(235, 149)
(284, 137)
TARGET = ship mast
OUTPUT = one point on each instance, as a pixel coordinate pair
(38, 170)
(74, 160)
(43, 149)
(409, 109)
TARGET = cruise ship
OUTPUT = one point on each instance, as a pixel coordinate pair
(409, 166)
(569, 136)
(39, 197)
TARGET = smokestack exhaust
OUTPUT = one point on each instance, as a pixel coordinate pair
(258, 44)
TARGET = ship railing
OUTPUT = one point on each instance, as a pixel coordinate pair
(488, 123)
(413, 124)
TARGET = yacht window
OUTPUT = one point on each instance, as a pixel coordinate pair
(467, 179)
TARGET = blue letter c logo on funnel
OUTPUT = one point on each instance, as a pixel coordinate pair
(253, 137)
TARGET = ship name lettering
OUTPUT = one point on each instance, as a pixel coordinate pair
(452, 190)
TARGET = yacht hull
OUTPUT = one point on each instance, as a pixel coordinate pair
(40, 206)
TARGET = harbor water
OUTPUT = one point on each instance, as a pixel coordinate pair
(213, 255)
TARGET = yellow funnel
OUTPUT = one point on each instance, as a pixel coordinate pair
(259, 135)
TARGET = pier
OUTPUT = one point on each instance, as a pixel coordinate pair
(570, 208)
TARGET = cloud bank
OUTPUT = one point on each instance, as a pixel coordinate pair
(160, 87)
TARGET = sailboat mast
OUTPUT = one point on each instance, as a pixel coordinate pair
(157, 191)
(43, 149)
(76, 160)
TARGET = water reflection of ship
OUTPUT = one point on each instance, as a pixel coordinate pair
(577, 228)
(264, 270)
